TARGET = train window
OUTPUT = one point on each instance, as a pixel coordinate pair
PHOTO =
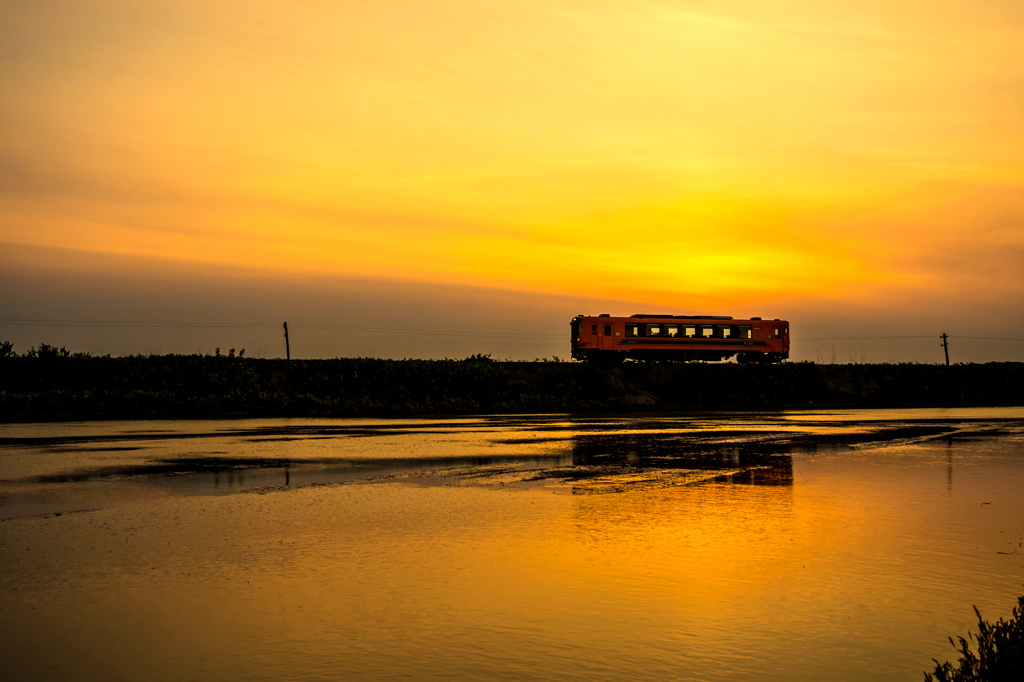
(654, 330)
(593, 329)
(707, 332)
(672, 330)
(787, 330)
(631, 330)
(778, 332)
(723, 332)
(744, 332)
(607, 330)
(689, 332)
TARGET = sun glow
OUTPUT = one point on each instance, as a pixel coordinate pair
(656, 152)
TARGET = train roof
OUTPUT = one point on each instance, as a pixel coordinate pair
(647, 316)
(687, 317)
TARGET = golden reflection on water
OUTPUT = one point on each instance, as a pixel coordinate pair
(846, 565)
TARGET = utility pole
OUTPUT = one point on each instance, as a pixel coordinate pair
(945, 346)
(288, 349)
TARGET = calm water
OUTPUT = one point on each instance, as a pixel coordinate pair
(795, 546)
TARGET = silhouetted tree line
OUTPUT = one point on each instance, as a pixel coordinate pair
(51, 383)
(44, 352)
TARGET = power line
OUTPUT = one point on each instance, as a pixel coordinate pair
(266, 325)
(862, 338)
(876, 338)
(397, 330)
(985, 338)
(430, 332)
(99, 323)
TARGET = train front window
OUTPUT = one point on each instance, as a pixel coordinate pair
(631, 330)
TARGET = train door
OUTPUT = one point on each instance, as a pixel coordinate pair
(602, 338)
(607, 339)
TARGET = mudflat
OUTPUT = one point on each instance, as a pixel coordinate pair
(785, 545)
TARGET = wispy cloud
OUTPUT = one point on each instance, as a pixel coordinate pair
(654, 150)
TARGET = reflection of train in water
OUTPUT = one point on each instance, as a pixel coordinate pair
(607, 339)
(740, 461)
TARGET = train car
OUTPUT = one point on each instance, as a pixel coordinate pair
(609, 340)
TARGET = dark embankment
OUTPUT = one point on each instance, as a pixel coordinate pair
(52, 388)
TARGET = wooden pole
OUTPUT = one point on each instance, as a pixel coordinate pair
(945, 347)
(288, 350)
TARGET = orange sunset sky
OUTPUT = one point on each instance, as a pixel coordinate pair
(435, 166)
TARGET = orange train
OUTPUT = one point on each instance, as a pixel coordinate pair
(606, 339)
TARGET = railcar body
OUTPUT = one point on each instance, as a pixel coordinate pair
(606, 339)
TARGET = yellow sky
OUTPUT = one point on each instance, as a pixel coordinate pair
(675, 152)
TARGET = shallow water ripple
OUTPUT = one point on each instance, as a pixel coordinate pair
(794, 546)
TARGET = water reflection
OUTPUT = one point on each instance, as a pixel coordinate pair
(712, 548)
(748, 464)
(49, 468)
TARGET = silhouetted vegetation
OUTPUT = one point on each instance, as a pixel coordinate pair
(1000, 654)
(51, 384)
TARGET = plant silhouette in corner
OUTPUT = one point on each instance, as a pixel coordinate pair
(1000, 652)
